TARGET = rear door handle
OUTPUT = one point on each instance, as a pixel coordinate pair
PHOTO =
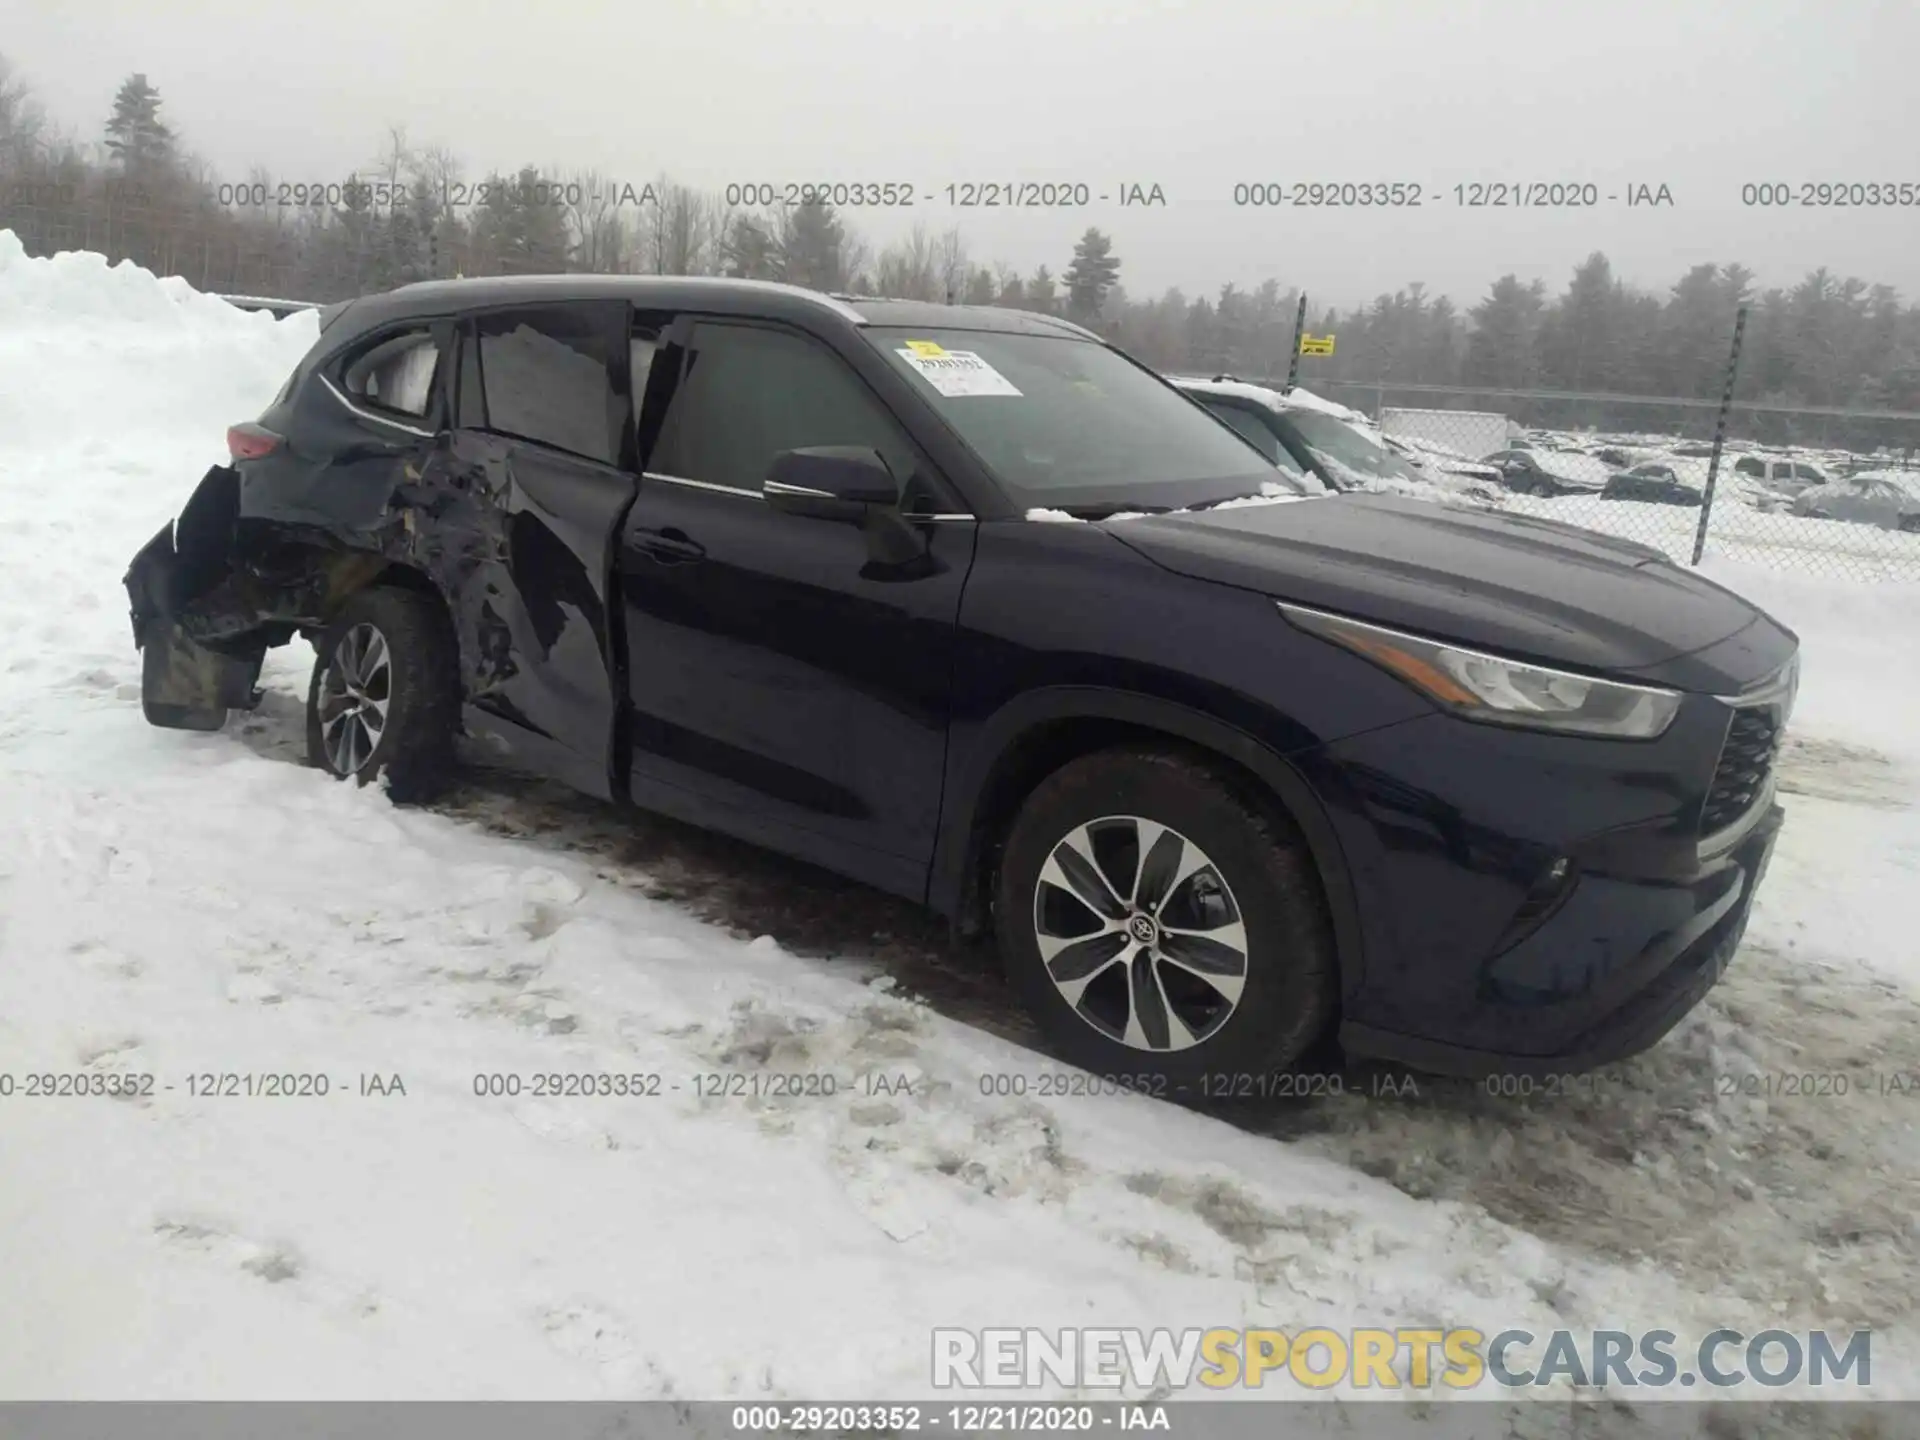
(670, 547)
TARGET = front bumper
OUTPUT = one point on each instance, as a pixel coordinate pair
(1535, 903)
(1644, 1000)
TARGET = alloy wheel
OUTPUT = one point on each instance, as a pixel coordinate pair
(354, 694)
(1140, 933)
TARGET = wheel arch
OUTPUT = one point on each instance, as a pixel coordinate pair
(1035, 734)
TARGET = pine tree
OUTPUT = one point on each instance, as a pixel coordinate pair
(812, 248)
(1041, 292)
(135, 136)
(1506, 326)
(981, 289)
(1094, 271)
(749, 251)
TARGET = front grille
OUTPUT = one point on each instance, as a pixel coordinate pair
(1753, 739)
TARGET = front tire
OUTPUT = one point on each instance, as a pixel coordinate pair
(384, 697)
(1160, 927)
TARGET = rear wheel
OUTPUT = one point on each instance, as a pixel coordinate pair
(384, 698)
(1158, 926)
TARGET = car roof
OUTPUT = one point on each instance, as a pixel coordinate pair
(764, 299)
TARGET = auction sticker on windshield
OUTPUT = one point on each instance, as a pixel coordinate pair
(955, 372)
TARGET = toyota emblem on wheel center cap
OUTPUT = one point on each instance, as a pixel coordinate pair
(1143, 929)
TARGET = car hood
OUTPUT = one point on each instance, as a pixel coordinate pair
(1525, 586)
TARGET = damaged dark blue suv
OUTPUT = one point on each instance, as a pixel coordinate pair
(965, 604)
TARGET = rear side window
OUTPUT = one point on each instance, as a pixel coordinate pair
(550, 375)
(396, 374)
(1806, 472)
(750, 393)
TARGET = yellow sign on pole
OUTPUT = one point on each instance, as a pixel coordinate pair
(1316, 344)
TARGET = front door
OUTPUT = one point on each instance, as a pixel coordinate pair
(786, 684)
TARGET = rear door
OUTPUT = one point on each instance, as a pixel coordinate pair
(540, 469)
(786, 684)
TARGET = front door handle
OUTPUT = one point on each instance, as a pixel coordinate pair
(669, 546)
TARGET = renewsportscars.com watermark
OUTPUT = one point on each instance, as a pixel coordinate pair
(1411, 1359)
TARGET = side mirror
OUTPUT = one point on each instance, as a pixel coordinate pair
(831, 482)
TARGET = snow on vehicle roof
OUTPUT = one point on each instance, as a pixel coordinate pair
(1298, 398)
(1906, 480)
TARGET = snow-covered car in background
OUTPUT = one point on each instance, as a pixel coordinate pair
(1886, 498)
(1656, 483)
(1550, 472)
(1424, 454)
(1305, 434)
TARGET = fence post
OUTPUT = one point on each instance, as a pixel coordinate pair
(1719, 435)
(1299, 329)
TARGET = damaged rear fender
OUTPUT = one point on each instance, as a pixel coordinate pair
(185, 683)
(210, 594)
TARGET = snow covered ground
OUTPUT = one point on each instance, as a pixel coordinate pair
(183, 905)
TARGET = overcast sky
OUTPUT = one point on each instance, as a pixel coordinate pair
(1702, 96)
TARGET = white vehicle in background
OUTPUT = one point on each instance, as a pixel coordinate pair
(1462, 432)
(1889, 499)
(1333, 446)
(1784, 477)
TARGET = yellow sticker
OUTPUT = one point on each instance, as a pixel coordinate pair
(925, 347)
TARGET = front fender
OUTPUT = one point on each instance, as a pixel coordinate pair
(975, 770)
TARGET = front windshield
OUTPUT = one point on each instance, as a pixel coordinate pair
(1071, 424)
(1334, 440)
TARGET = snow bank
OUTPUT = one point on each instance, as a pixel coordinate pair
(77, 288)
(103, 361)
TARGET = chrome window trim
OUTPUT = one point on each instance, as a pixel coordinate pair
(365, 414)
(943, 516)
(701, 485)
(780, 487)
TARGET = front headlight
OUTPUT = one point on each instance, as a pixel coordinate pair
(1492, 688)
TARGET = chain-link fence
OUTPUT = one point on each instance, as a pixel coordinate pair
(1827, 491)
